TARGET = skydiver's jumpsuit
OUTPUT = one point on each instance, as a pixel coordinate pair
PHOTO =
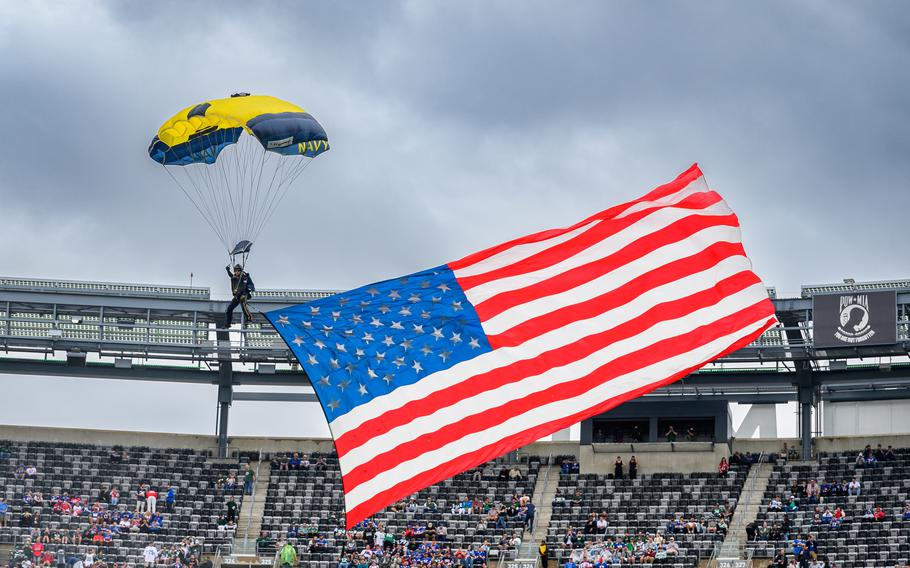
(242, 288)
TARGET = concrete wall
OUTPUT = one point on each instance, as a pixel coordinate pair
(653, 458)
(822, 444)
(160, 440)
(866, 418)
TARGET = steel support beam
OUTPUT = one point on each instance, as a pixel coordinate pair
(225, 392)
(806, 399)
(276, 396)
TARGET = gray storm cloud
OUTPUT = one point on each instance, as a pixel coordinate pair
(455, 126)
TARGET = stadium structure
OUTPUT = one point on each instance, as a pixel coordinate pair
(838, 359)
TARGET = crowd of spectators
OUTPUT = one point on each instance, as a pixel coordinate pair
(641, 548)
(298, 461)
(39, 553)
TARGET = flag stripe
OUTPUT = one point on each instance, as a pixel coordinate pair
(606, 236)
(680, 239)
(481, 410)
(671, 272)
(683, 180)
(507, 435)
(421, 398)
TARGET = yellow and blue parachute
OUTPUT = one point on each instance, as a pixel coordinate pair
(236, 158)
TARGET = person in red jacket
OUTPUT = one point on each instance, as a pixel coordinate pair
(723, 468)
(151, 499)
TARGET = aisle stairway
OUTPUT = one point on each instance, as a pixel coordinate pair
(249, 523)
(544, 491)
(747, 509)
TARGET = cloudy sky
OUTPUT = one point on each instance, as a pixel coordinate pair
(453, 126)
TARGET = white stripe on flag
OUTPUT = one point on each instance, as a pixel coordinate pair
(612, 280)
(651, 224)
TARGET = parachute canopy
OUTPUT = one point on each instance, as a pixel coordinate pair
(199, 133)
(236, 158)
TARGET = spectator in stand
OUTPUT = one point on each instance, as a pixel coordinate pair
(812, 492)
(170, 499)
(723, 468)
(776, 504)
(617, 468)
(853, 488)
(140, 499)
(248, 477)
(889, 455)
(542, 554)
(792, 504)
(231, 509)
(751, 530)
(515, 474)
(691, 434)
(150, 555)
(879, 514)
(4, 511)
(671, 434)
(287, 555)
(780, 559)
(294, 462)
(31, 471)
(151, 499)
(231, 482)
(633, 468)
(305, 462)
(321, 465)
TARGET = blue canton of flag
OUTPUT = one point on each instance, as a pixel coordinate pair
(369, 341)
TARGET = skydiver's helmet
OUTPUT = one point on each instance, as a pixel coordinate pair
(238, 268)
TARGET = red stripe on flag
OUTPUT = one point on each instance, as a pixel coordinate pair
(492, 451)
(634, 288)
(519, 370)
(673, 233)
(681, 181)
(589, 238)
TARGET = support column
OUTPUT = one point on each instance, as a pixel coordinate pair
(225, 388)
(806, 400)
(225, 394)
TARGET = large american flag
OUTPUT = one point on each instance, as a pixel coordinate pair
(425, 376)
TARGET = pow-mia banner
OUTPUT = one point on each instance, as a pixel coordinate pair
(855, 319)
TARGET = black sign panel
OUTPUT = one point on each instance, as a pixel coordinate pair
(855, 319)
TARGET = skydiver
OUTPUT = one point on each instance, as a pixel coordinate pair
(242, 287)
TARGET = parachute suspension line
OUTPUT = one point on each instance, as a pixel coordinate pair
(193, 201)
(208, 211)
(261, 203)
(254, 196)
(205, 185)
(236, 149)
(287, 183)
